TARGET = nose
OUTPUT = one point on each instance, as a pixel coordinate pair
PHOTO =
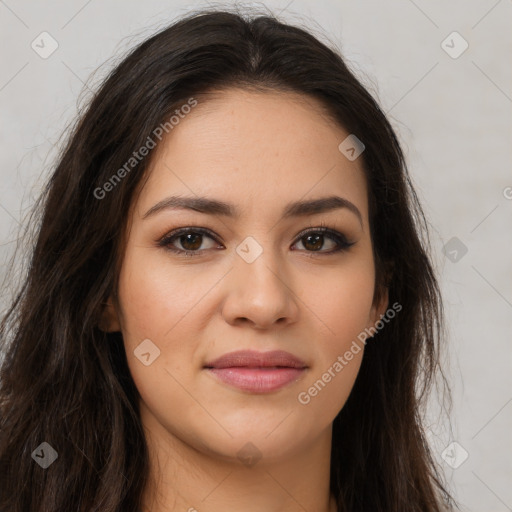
(260, 293)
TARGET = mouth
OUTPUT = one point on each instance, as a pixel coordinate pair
(257, 372)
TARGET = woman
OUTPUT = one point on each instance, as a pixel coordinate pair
(229, 304)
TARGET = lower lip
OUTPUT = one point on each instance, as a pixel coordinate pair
(257, 380)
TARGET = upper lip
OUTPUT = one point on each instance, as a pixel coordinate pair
(254, 359)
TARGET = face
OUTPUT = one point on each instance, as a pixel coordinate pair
(253, 273)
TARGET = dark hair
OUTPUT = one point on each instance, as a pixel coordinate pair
(66, 382)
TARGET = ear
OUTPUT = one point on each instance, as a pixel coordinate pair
(109, 319)
(381, 295)
(379, 307)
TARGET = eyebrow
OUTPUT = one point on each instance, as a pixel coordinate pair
(216, 207)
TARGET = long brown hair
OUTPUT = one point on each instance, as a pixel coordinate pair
(65, 382)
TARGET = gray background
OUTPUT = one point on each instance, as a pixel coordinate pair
(453, 116)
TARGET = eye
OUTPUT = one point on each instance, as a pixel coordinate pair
(314, 239)
(190, 239)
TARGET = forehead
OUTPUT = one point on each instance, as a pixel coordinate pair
(255, 149)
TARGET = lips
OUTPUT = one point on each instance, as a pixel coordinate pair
(257, 372)
(253, 359)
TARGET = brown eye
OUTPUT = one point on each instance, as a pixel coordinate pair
(314, 241)
(191, 242)
(187, 241)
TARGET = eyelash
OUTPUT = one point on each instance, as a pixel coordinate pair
(339, 238)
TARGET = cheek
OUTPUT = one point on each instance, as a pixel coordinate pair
(344, 310)
(155, 307)
(159, 305)
(343, 303)
(155, 298)
(170, 307)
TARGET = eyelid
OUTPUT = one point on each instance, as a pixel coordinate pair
(165, 240)
(322, 228)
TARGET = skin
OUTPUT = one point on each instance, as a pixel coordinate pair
(258, 151)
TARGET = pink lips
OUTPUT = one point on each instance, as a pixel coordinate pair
(257, 372)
